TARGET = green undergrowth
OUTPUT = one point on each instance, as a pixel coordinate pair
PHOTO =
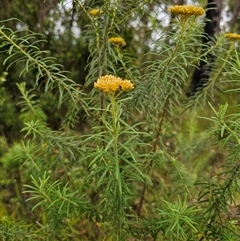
(135, 158)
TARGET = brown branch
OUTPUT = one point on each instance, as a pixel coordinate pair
(155, 148)
(236, 11)
(159, 130)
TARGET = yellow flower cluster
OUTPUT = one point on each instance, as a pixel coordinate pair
(186, 10)
(233, 36)
(95, 12)
(118, 41)
(111, 83)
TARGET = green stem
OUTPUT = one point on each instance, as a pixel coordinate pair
(115, 135)
(176, 48)
(114, 111)
(120, 56)
(159, 128)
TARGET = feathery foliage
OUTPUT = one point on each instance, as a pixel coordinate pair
(142, 165)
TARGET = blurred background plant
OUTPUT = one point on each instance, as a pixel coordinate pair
(158, 162)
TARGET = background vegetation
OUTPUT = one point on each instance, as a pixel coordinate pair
(160, 162)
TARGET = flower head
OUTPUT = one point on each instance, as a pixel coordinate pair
(111, 83)
(118, 41)
(186, 10)
(126, 85)
(95, 12)
(233, 36)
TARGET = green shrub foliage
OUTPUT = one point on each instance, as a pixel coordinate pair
(131, 156)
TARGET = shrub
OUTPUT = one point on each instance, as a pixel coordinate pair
(142, 166)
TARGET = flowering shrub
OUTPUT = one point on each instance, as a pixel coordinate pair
(145, 166)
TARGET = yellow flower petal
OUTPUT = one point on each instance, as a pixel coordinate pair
(111, 83)
(126, 85)
(232, 36)
(95, 12)
(186, 10)
(118, 41)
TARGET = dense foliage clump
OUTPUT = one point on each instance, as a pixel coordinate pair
(125, 153)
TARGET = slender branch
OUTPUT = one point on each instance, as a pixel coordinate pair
(227, 186)
(159, 129)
